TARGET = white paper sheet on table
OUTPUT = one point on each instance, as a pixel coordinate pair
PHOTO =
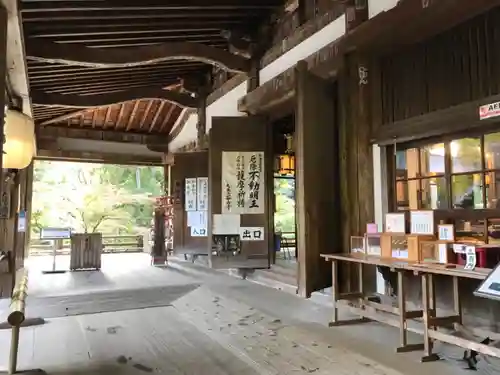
(226, 224)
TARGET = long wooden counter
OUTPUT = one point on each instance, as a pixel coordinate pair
(431, 322)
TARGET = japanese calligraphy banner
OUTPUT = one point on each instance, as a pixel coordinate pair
(243, 182)
(190, 194)
(202, 193)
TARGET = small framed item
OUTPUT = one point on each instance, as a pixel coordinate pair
(446, 232)
(371, 228)
(422, 222)
(395, 223)
(471, 258)
(490, 287)
(358, 245)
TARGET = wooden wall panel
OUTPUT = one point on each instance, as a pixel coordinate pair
(187, 165)
(460, 65)
(251, 133)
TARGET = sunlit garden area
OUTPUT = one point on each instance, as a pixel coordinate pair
(109, 199)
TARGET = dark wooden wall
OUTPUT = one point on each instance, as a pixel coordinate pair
(250, 133)
(19, 192)
(460, 65)
(187, 165)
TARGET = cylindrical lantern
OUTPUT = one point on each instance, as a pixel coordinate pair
(19, 146)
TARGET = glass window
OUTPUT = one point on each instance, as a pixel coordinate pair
(432, 160)
(434, 193)
(492, 180)
(492, 151)
(407, 164)
(465, 155)
(467, 191)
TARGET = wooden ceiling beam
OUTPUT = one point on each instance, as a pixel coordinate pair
(54, 132)
(134, 16)
(96, 157)
(112, 26)
(78, 101)
(158, 5)
(98, 57)
(198, 29)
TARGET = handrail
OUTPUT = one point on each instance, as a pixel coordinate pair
(17, 315)
(18, 300)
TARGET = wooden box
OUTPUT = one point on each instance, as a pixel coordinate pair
(415, 247)
(394, 246)
(436, 252)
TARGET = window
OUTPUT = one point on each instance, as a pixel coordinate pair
(461, 174)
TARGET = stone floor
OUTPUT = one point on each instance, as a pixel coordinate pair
(216, 324)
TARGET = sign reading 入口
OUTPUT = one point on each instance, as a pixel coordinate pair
(489, 110)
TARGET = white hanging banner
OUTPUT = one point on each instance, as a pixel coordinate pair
(202, 187)
(190, 195)
(243, 186)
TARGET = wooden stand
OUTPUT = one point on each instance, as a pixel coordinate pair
(400, 312)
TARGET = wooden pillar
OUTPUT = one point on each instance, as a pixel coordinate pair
(317, 200)
(253, 76)
(356, 13)
(201, 126)
(356, 164)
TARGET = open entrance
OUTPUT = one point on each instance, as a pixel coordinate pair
(286, 251)
(112, 202)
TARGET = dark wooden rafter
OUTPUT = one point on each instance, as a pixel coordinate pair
(167, 118)
(80, 55)
(85, 101)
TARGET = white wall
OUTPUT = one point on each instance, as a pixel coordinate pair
(377, 6)
(380, 198)
(228, 104)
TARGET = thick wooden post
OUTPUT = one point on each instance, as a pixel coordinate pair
(317, 201)
(201, 126)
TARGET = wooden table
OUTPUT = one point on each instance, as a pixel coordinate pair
(401, 311)
(430, 319)
(431, 322)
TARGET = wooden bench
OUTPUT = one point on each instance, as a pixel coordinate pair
(430, 322)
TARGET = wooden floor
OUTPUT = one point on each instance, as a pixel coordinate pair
(220, 326)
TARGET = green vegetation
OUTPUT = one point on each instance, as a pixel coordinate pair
(284, 217)
(94, 198)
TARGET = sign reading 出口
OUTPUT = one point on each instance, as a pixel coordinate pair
(489, 110)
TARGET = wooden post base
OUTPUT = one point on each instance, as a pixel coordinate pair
(341, 323)
(430, 358)
(409, 348)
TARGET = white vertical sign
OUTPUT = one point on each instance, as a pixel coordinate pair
(190, 194)
(243, 186)
(202, 187)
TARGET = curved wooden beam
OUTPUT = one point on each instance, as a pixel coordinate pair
(99, 100)
(72, 54)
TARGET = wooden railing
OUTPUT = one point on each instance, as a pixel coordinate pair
(112, 244)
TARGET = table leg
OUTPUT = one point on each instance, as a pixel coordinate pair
(427, 306)
(457, 303)
(335, 292)
(403, 325)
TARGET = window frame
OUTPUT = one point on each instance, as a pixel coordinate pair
(448, 214)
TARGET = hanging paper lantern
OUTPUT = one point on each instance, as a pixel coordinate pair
(19, 140)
